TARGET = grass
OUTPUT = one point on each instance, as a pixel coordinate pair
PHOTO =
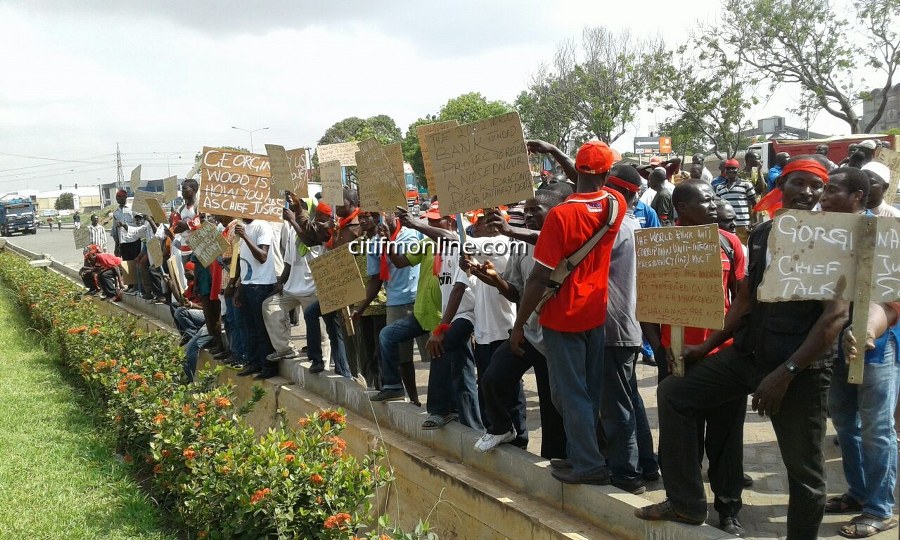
(59, 474)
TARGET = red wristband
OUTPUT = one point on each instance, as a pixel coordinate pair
(441, 328)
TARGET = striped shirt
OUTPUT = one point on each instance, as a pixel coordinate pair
(741, 196)
(98, 236)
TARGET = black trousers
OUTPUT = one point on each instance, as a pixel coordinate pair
(799, 427)
(130, 250)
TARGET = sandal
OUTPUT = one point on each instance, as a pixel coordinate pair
(866, 525)
(435, 421)
(664, 511)
(842, 504)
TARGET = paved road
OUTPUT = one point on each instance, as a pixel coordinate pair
(765, 505)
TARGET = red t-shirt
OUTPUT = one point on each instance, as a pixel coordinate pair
(107, 260)
(696, 336)
(580, 303)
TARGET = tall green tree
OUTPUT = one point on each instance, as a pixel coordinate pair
(382, 127)
(541, 118)
(471, 107)
(66, 201)
(823, 46)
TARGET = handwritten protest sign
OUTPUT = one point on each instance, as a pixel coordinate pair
(680, 274)
(481, 165)
(338, 283)
(135, 178)
(207, 243)
(236, 184)
(343, 152)
(423, 132)
(142, 201)
(281, 180)
(82, 237)
(330, 176)
(176, 273)
(170, 188)
(156, 211)
(299, 177)
(891, 159)
(154, 252)
(381, 188)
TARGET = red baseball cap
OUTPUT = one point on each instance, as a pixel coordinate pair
(732, 163)
(655, 160)
(323, 208)
(594, 157)
(433, 212)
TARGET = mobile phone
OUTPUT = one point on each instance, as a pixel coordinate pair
(287, 200)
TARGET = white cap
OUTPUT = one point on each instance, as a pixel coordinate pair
(869, 143)
(880, 170)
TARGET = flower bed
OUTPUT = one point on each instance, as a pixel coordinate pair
(206, 465)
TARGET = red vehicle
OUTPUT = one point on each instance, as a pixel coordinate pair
(838, 147)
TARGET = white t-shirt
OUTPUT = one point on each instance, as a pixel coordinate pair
(300, 282)
(448, 277)
(494, 314)
(252, 271)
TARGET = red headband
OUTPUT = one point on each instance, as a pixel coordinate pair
(806, 165)
(618, 182)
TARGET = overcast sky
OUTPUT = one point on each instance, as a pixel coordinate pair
(164, 78)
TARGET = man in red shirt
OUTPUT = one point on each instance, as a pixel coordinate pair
(109, 276)
(572, 320)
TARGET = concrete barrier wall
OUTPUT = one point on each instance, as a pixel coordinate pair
(507, 493)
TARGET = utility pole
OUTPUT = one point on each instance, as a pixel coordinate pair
(120, 176)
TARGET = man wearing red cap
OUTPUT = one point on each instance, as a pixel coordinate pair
(572, 320)
(741, 195)
(782, 355)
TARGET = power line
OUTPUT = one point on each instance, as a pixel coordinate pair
(48, 158)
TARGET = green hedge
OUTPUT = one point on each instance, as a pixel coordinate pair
(206, 466)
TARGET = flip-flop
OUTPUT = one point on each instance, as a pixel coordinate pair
(436, 421)
(866, 525)
(842, 504)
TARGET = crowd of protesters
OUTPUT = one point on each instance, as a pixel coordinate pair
(549, 284)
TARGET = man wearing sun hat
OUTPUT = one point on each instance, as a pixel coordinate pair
(573, 319)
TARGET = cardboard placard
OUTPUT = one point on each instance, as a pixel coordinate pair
(481, 165)
(891, 159)
(170, 188)
(343, 152)
(281, 180)
(380, 188)
(886, 261)
(330, 177)
(82, 237)
(176, 273)
(207, 243)
(338, 283)
(680, 274)
(141, 205)
(154, 252)
(236, 184)
(135, 179)
(423, 132)
(129, 272)
(299, 172)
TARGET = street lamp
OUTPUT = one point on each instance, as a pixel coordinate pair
(250, 132)
(168, 155)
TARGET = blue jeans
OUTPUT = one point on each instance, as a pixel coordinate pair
(237, 332)
(864, 418)
(451, 378)
(258, 345)
(646, 451)
(389, 339)
(575, 366)
(188, 321)
(335, 337)
(192, 351)
(618, 417)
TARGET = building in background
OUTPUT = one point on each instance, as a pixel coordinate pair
(890, 119)
(85, 198)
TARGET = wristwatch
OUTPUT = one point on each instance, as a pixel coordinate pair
(792, 367)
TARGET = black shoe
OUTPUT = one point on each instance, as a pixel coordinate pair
(651, 476)
(731, 525)
(304, 349)
(222, 355)
(635, 487)
(266, 373)
(748, 482)
(317, 368)
(649, 360)
(388, 394)
(568, 476)
(250, 370)
(184, 340)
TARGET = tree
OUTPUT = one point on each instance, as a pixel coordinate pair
(597, 86)
(709, 96)
(541, 119)
(65, 201)
(382, 127)
(812, 43)
(412, 150)
(471, 107)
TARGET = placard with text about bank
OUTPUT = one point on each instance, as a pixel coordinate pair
(480, 165)
(679, 276)
(338, 282)
(816, 256)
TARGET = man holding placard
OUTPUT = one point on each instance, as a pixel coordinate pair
(258, 279)
(572, 319)
(781, 354)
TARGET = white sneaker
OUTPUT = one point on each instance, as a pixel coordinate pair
(488, 442)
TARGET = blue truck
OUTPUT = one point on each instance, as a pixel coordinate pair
(17, 215)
